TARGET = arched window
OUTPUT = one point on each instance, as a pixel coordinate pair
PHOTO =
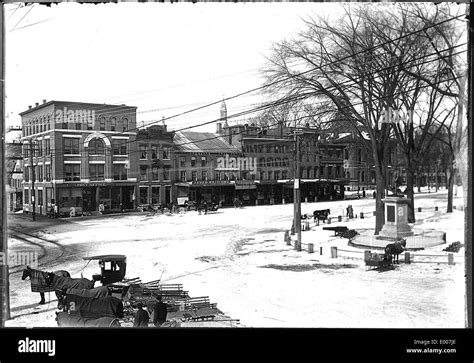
(96, 147)
(102, 123)
(124, 124)
(278, 162)
(113, 123)
(269, 162)
(261, 162)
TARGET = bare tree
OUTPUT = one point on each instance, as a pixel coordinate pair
(355, 66)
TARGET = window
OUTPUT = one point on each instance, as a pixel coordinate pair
(166, 174)
(270, 175)
(284, 174)
(120, 173)
(143, 154)
(89, 123)
(359, 155)
(143, 172)
(277, 175)
(40, 197)
(269, 162)
(204, 175)
(26, 174)
(154, 151)
(48, 172)
(143, 195)
(155, 195)
(96, 147)
(64, 124)
(39, 175)
(47, 147)
(183, 176)
(78, 126)
(182, 161)
(39, 148)
(203, 161)
(96, 171)
(193, 161)
(125, 124)
(71, 145)
(262, 175)
(119, 147)
(154, 173)
(27, 196)
(166, 153)
(113, 124)
(102, 123)
(71, 172)
(194, 175)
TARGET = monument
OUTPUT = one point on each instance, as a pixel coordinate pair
(396, 219)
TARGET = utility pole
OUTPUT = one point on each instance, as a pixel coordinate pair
(297, 194)
(33, 177)
(4, 272)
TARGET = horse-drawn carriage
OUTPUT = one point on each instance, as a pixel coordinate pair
(112, 268)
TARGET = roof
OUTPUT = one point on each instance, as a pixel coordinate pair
(106, 257)
(98, 105)
(187, 141)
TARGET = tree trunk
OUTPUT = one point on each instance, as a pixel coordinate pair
(436, 178)
(379, 205)
(450, 190)
(418, 179)
(410, 194)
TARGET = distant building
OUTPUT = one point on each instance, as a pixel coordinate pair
(82, 155)
(14, 176)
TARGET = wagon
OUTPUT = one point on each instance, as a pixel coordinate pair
(112, 268)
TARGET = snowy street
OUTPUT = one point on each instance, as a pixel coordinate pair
(238, 258)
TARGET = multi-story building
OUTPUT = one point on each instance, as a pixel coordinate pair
(80, 154)
(155, 166)
(14, 177)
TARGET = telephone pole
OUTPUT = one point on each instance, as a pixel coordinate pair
(33, 177)
(297, 193)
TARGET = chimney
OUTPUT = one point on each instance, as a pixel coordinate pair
(219, 128)
(29, 107)
(163, 121)
(36, 104)
(44, 101)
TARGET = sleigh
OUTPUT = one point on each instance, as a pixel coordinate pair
(378, 261)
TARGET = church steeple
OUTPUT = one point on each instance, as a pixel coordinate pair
(223, 111)
(223, 118)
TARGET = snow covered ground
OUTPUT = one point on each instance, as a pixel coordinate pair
(238, 258)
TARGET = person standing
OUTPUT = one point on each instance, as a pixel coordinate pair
(141, 317)
(160, 312)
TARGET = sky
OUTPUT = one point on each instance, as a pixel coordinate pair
(162, 58)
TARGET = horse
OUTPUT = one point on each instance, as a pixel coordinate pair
(93, 308)
(38, 280)
(64, 283)
(394, 249)
(321, 214)
(96, 292)
(74, 320)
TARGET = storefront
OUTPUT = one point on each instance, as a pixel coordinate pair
(87, 197)
(219, 192)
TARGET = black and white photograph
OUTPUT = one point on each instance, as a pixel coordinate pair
(237, 165)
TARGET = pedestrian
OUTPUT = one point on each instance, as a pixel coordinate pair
(101, 207)
(205, 207)
(160, 312)
(141, 317)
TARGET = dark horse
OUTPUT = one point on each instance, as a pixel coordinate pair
(64, 283)
(394, 249)
(38, 280)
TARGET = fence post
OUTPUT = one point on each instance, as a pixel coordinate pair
(407, 257)
(361, 215)
(310, 248)
(333, 252)
(287, 236)
(339, 218)
(450, 259)
(419, 209)
(321, 251)
(436, 209)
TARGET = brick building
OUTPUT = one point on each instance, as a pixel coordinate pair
(82, 155)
